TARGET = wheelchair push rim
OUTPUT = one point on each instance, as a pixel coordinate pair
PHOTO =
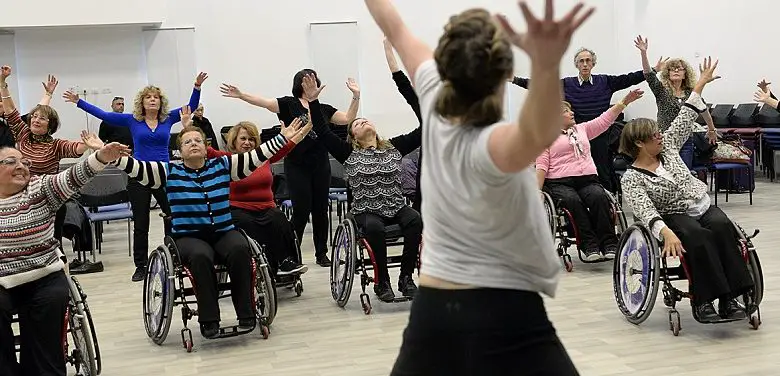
(549, 209)
(343, 255)
(81, 332)
(265, 288)
(756, 295)
(636, 274)
(158, 295)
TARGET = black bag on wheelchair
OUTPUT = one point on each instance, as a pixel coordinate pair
(279, 187)
(703, 150)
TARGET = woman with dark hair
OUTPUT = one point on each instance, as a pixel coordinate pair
(150, 125)
(676, 208)
(488, 250)
(307, 166)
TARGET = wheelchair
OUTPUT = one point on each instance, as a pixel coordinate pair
(352, 255)
(85, 356)
(164, 288)
(565, 231)
(640, 271)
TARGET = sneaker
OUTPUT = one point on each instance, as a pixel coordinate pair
(610, 251)
(591, 255)
(288, 266)
(730, 310)
(706, 313)
(75, 263)
(323, 261)
(246, 324)
(140, 274)
(406, 286)
(209, 330)
(384, 291)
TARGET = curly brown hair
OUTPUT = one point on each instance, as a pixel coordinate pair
(690, 75)
(474, 60)
(138, 103)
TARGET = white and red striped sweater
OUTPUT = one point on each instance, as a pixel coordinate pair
(28, 250)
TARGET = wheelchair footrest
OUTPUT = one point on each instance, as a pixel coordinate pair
(232, 331)
(401, 299)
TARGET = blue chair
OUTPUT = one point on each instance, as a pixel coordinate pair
(106, 199)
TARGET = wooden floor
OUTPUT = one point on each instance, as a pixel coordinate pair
(312, 336)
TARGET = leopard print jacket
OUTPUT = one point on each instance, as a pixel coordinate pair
(651, 196)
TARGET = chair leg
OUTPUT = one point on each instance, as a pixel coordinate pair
(129, 239)
(715, 185)
(751, 184)
(730, 178)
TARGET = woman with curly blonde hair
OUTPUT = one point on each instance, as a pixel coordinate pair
(672, 89)
(150, 126)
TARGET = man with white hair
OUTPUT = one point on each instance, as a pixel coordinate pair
(590, 95)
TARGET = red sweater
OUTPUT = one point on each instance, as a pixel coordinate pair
(254, 192)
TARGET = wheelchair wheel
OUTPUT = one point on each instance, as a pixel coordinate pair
(636, 274)
(82, 332)
(549, 209)
(754, 267)
(343, 255)
(265, 288)
(158, 294)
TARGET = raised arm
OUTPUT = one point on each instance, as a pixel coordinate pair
(48, 90)
(513, 147)
(231, 91)
(600, 124)
(175, 114)
(243, 164)
(344, 118)
(147, 173)
(411, 49)
(60, 187)
(641, 45)
(112, 118)
(8, 102)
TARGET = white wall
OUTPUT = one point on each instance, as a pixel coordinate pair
(37, 13)
(97, 58)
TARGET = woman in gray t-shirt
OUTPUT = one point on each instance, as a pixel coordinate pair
(488, 252)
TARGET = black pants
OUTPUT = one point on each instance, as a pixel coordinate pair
(480, 332)
(589, 204)
(200, 255)
(599, 151)
(269, 227)
(140, 199)
(308, 186)
(373, 228)
(41, 306)
(716, 267)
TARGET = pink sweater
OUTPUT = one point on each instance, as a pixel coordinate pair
(560, 160)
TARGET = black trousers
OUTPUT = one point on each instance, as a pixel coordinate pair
(599, 151)
(269, 227)
(716, 267)
(309, 186)
(41, 306)
(480, 332)
(140, 199)
(373, 228)
(200, 254)
(589, 204)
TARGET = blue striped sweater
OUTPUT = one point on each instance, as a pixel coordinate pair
(200, 199)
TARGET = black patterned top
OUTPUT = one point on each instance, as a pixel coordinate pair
(652, 196)
(668, 104)
(373, 174)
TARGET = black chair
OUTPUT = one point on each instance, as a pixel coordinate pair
(721, 114)
(744, 116)
(768, 117)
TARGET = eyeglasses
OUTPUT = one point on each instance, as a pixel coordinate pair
(40, 117)
(13, 161)
(657, 136)
(677, 69)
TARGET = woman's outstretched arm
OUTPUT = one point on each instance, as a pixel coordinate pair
(411, 49)
(232, 91)
(402, 82)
